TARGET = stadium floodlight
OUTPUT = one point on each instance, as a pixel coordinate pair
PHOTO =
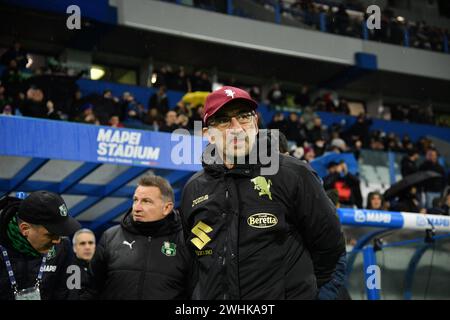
(154, 78)
(97, 73)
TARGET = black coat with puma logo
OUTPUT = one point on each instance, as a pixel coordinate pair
(129, 265)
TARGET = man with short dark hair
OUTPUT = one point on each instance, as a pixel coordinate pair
(408, 164)
(257, 233)
(170, 124)
(144, 257)
(35, 256)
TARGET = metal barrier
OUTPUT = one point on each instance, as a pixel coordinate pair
(387, 223)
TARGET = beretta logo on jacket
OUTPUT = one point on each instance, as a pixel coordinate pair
(262, 220)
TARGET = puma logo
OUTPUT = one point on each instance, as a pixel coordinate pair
(129, 244)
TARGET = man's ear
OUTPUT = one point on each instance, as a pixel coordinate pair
(24, 228)
(168, 207)
(205, 132)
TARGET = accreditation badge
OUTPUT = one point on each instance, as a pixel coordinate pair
(28, 294)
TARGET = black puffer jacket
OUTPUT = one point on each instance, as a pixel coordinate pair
(26, 267)
(86, 289)
(258, 242)
(130, 266)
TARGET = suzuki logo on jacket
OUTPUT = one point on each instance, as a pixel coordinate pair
(200, 230)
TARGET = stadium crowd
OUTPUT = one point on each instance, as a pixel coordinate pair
(337, 20)
(307, 137)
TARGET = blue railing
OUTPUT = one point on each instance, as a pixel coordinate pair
(387, 221)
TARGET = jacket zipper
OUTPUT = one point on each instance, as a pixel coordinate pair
(225, 249)
(141, 282)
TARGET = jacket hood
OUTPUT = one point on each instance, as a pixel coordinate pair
(8, 209)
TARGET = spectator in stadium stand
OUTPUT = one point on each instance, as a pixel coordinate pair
(170, 122)
(255, 93)
(432, 188)
(407, 143)
(194, 79)
(83, 242)
(182, 108)
(278, 122)
(302, 99)
(294, 130)
(114, 121)
(308, 117)
(161, 77)
(376, 144)
(357, 148)
(106, 106)
(87, 115)
(183, 122)
(375, 201)
(15, 52)
(197, 115)
(200, 81)
(392, 143)
(408, 164)
(347, 184)
(181, 81)
(4, 100)
(276, 96)
(132, 111)
(75, 105)
(320, 147)
(340, 144)
(159, 100)
(298, 152)
(12, 80)
(145, 257)
(329, 104)
(153, 119)
(205, 83)
(317, 131)
(52, 114)
(271, 262)
(34, 104)
(170, 78)
(7, 110)
(424, 144)
(343, 107)
(308, 154)
(408, 201)
(361, 129)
